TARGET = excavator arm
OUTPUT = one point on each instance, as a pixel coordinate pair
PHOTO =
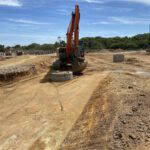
(70, 36)
(73, 34)
(76, 33)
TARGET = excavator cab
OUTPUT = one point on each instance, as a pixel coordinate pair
(76, 62)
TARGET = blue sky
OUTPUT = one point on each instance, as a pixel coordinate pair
(42, 21)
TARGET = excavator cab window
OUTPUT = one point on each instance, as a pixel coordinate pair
(81, 49)
(62, 53)
(81, 52)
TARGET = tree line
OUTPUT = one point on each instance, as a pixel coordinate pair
(140, 41)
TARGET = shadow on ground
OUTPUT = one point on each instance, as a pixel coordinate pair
(47, 77)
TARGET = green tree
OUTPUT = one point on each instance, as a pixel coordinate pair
(34, 46)
(17, 47)
(2, 48)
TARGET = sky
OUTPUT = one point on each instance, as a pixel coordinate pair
(43, 21)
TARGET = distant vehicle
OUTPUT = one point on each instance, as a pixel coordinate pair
(19, 53)
(8, 53)
(148, 51)
(2, 54)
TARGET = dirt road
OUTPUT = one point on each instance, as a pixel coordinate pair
(106, 108)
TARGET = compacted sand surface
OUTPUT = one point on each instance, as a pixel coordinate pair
(108, 107)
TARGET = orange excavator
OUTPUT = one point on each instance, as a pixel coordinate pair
(71, 57)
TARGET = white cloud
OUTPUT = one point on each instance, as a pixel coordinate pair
(14, 3)
(63, 12)
(26, 39)
(99, 22)
(147, 2)
(124, 20)
(117, 9)
(93, 1)
(44, 37)
(27, 21)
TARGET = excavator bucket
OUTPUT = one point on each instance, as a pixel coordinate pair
(79, 66)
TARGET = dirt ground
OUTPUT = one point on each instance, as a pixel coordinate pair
(108, 107)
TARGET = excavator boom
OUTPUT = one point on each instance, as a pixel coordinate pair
(70, 36)
(77, 19)
(73, 33)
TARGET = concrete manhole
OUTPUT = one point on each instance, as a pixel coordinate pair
(118, 58)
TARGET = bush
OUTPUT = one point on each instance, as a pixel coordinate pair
(2, 48)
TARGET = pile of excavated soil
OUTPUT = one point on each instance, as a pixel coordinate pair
(25, 69)
(14, 72)
(133, 61)
(117, 117)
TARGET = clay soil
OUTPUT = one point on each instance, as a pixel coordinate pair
(108, 107)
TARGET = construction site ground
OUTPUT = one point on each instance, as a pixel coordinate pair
(108, 107)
